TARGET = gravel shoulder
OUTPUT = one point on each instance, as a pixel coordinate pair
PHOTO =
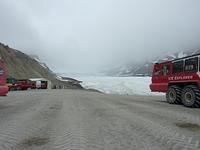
(85, 120)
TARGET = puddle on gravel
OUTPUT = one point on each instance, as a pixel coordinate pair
(188, 126)
(35, 141)
(56, 107)
(3, 106)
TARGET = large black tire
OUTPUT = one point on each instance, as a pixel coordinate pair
(173, 95)
(191, 96)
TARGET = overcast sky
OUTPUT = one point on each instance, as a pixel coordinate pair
(84, 35)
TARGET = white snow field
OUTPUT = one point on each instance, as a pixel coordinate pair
(118, 85)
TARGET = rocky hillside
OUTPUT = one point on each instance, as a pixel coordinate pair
(22, 66)
(145, 68)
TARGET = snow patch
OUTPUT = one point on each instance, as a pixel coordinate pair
(59, 77)
(165, 59)
(181, 55)
(173, 56)
(36, 58)
(43, 65)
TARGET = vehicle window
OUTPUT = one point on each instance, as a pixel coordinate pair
(166, 70)
(178, 66)
(191, 65)
(157, 71)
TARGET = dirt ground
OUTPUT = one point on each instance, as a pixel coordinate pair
(87, 120)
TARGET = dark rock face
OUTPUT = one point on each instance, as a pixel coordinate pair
(22, 66)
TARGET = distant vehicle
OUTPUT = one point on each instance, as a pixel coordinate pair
(40, 83)
(33, 84)
(3, 76)
(179, 79)
(44, 84)
(24, 84)
(12, 84)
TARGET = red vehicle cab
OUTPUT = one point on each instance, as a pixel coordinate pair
(12, 84)
(179, 79)
(24, 84)
(3, 76)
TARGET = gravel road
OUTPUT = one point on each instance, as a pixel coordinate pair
(81, 120)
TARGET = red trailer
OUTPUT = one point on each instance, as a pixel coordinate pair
(24, 84)
(179, 79)
(3, 77)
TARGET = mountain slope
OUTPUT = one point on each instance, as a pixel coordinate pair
(145, 68)
(22, 66)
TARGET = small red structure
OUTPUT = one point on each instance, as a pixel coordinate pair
(3, 76)
(179, 79)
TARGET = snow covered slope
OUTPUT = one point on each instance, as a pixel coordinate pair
(36, 58)
(118, 85)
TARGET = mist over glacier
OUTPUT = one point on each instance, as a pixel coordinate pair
(89, 36)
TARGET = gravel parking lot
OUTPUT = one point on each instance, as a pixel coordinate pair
(83, 120)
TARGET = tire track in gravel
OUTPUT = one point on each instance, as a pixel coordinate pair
(94, 125)
(15, 104)
(150, 120)
(113, 125)
(28, 126)
(77, 130)
(79, 120)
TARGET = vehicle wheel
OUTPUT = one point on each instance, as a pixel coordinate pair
(11, 89)
(173, 95)
(191, 96)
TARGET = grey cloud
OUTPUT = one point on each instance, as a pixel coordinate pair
(83, 35)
